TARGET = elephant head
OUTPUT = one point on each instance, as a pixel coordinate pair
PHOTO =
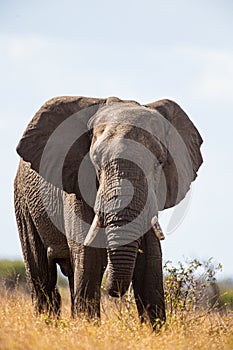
(145, 158)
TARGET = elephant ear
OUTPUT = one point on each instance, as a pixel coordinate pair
(183, 159)
(57, 139)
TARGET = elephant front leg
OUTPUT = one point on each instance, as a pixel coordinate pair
(148, 281)
(89, 265)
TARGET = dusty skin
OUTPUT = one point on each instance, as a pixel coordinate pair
(119, 160)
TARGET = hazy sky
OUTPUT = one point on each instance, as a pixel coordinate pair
(147, 50)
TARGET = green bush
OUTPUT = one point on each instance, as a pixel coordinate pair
(191, 286)
(227, 298)
(226, 292)
(8, 267)
(12, 274)
(186, 285)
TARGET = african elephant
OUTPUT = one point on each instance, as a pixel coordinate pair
(93, 174)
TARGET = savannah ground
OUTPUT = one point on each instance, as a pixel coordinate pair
(119, 328)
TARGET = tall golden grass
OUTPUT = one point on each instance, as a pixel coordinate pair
(119, 328)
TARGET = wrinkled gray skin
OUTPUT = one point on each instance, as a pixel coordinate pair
(53, 218)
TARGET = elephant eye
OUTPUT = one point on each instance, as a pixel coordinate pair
(95, 159)
(96, 162)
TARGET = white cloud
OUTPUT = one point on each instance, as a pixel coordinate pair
(215, 80)
(198, 73)
(19, 48)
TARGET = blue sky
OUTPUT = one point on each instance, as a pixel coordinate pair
(147, 50)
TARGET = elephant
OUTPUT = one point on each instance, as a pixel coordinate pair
(93, 175)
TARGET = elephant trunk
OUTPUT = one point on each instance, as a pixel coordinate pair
(123, 198)
(121, 262)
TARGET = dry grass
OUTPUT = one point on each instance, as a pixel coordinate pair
(119, 329)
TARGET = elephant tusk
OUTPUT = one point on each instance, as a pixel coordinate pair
(157, 228)
(93, 231)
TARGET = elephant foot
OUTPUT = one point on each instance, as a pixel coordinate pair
(86, 308)
(48, 303)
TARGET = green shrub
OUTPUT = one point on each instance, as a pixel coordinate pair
(10, 267)
(226, 293)
(190, 286)
(227, 299)
(12, 274)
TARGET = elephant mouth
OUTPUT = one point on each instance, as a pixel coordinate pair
(96, 225)
(121, 259)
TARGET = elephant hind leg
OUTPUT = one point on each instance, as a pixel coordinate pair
(41, 274)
